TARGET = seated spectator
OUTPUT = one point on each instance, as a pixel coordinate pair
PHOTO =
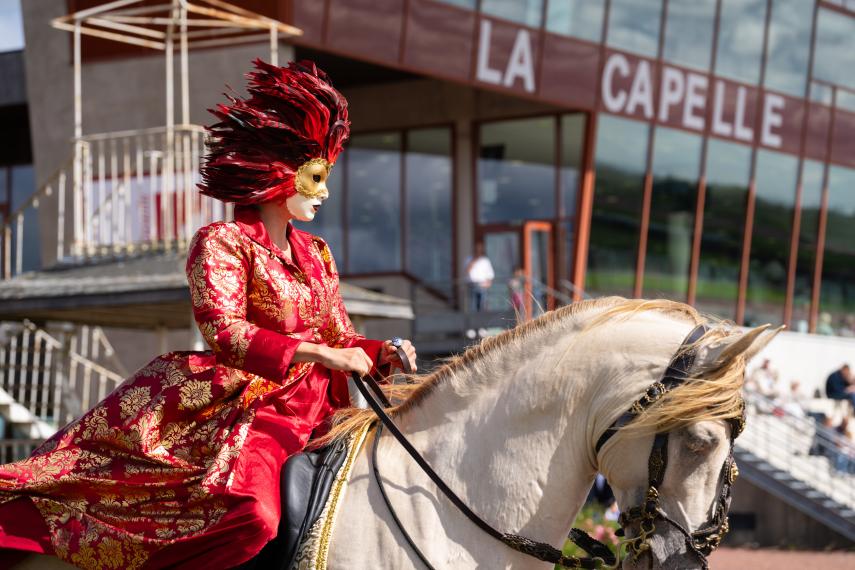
(821, 444)
(844, 460)
(793, 401)
(839, 385)
(764, 381)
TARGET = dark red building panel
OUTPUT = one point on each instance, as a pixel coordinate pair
(308, 15)
(790, 129)
(439, 39)
(816, 139)
(843, 138)
(568, 73)
(366, 28)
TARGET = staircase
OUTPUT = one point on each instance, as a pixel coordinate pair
(46, 381)
(789, 456)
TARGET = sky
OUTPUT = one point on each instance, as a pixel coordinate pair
(11, 26)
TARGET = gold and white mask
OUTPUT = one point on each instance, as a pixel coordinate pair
(310, 180)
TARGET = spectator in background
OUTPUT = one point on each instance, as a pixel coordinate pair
(764, 380)
(792, 401)
(824, 326)
(844, 460)
(479, 277)
(820, 444)
(839, 385)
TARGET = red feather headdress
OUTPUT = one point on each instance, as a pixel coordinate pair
(293, 115)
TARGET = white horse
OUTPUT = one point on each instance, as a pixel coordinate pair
(511, 426)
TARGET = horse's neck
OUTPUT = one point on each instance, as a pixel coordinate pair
(511, 438)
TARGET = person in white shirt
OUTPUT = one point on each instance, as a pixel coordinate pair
(479, 277)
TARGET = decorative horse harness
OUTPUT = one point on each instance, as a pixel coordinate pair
(702, 541)
(707, 538)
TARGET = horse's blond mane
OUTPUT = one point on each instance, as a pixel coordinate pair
(715, 394)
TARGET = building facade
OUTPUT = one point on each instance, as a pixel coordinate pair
(700, 150)
(697, 150)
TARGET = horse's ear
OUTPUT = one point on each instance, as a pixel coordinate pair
(715, 353)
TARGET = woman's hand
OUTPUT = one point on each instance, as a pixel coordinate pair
(346, 359)
(389, 354)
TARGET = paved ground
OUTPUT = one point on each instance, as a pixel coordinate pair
(740, 559)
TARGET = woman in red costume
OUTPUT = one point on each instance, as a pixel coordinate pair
(179, 466)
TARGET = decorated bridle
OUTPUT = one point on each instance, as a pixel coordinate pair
(707, 538)
(701, 542)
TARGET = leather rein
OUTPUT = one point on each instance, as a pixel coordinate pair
(702, 541)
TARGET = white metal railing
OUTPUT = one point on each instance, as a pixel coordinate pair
(122, 193)
(50, 377)
(799, 446)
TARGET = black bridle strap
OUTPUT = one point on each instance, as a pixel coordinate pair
(676, 373)
(541, 551)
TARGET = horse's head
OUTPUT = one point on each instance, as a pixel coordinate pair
(670, 463)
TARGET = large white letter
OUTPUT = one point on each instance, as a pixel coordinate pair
(695, 99)
(772, 118)
(484, 72)
(520, 64)
(719, 125)
(673, 88)
(740, 129)
(641, 92)
(617, 62)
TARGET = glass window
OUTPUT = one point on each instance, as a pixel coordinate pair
(374, 203)
(470, 4)
(578, 18)
(526, 12)
(676, 163)
(12, 38)
(634, 25)
(834, 58)
(621, 158)
(821, 93)
(572, 147)
(789, 46)
(775, 183)
(570, 177)
(23, 187)
(428, 204)
(23, 184)
(740, 39)
(516, 170)
(329, 221)
(811, 201)
(728, 167)
(689, 32)
(845, 100)
(837, 297)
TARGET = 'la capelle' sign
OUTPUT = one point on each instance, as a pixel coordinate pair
(683, 99)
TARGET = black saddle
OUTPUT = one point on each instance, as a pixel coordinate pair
(306, 481)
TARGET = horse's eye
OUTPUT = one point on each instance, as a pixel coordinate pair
(316, 177)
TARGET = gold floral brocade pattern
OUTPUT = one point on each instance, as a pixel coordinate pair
(157, 464)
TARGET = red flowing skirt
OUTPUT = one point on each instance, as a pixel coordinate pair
(178, 467)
